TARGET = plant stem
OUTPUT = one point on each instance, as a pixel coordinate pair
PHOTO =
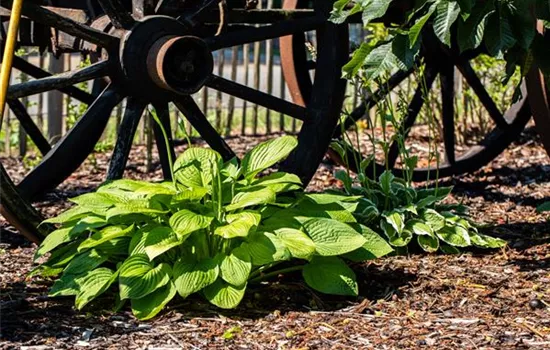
(263, 277)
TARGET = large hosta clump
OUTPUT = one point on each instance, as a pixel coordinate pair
(214, 229)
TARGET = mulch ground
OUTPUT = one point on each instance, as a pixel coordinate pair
(476, 300)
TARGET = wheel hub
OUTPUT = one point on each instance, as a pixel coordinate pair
(159, 54)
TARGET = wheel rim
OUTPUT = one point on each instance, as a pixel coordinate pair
(508, 124)
(538, 97)
(121, 33)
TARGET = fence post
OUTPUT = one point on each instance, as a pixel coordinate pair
(55, 104)
(269, 64)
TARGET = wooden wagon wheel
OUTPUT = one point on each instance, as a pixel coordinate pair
(158, 59)
(538, 96)
(439, 61)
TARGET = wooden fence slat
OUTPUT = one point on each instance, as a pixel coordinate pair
(246, 63)
(231, 103)
(219, 100)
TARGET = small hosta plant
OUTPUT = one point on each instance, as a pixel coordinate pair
(213, 230)
(404, 214)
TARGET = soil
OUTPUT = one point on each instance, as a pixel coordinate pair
(475, 300)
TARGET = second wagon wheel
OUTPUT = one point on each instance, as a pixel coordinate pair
(166, 58)
(436, 83)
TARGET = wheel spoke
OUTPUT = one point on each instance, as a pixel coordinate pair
(73, 148)
(67, 25)
(117, 12)
(192, 112)
(29, 126)
(255, 96)
(484, 97)
(58, 81)
(447, 78)
(127, 130)
(38, 73)
(370, 101)
(166, 155)
(414, 109)
(253, 34)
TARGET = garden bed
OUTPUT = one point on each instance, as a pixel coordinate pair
(474, 300)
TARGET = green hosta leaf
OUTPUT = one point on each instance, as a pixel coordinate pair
(267, 154)
(429, 244)
(330, 198)
(98, 200)
(137, 243)
(396, 239)
(239, 224)
(231, 169)
(149, 306)
(248, 199)
(332, 237)
(79, 265)
(151, 189)
(386, 180)
(330, 275)
(53, 240)
(374, 247)
(446, 14)
(116, 249)
(138, 277)
(396, 220)
(69, 215)
(185, 222)
(235, 268)
(336, 211)
(435, 220)
(447, 249)
(93, 284)
(456, 236)
(123, 184)
(61, 256)
(297, 242)
(85, 262)
(419, 228)
(265, 248)
(191, 276)
(194, 168)
(485, 241)
(279, 182)
(105, 235)
(159, 240)
(65, 286)
(544, 207)
(194, 194)
(224, 295)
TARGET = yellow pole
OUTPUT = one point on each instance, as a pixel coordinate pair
(9, 50)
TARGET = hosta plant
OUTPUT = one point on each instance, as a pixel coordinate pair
(405, 215)
(213, 230)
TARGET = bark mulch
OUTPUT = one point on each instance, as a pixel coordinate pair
(475, 300)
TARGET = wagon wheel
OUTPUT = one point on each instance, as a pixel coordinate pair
(160, 59)
(539, 98)
(438, 62)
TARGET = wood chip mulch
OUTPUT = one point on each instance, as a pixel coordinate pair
(476, 300)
